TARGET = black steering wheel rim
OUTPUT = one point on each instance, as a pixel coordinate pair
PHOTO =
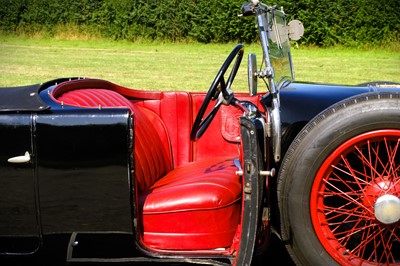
(224, 95)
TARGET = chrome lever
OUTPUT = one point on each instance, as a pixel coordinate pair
(237, 164)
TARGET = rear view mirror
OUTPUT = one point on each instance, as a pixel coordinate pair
(296, 30)
(252, 74)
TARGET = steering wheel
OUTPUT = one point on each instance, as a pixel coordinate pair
(220, 90)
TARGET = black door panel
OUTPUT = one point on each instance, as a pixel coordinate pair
(19, 230)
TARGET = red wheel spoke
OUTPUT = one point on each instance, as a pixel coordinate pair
(363, 249)
(368, 162)
(352, 231)
(387, 244)
(371, 237)
(392, 151)
(343, 212)
(395, 234)
(346, 196)
(355, 174)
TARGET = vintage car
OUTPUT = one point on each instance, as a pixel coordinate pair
(134, 176)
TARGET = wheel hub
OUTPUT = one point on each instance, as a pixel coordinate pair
(381, 198)
(387, 209)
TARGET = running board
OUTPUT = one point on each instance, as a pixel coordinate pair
(119, 248)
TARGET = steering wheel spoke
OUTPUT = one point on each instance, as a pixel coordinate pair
(210, 116)
(219, 90)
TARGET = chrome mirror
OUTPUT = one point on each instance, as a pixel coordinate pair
(296, 30)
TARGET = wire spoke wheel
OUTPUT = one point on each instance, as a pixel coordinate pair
(339, 185)
(346, 190)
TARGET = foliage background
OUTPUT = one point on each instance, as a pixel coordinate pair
(327, 23)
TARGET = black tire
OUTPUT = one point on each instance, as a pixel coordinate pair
(323, 211)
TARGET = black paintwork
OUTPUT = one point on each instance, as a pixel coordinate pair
(23, 98)
(17, 187)
(300, 102)
(26, 98)
(79, 160)
(82, 170)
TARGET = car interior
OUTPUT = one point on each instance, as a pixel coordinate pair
(187, 194)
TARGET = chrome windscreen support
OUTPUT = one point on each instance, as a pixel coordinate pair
(263, 28)
(276, 129)
(266, 20)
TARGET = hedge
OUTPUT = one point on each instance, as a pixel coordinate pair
(346, 22)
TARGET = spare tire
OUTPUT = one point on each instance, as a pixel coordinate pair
(333, 180)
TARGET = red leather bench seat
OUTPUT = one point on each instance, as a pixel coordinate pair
(194, 206)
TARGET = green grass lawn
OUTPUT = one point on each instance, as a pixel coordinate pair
(157, 66)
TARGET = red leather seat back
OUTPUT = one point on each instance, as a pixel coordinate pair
(152, 154)
(174, 109)
(152, 148)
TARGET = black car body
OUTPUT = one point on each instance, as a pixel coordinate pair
(150, 176)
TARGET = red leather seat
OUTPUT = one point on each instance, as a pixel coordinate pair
(194, 206)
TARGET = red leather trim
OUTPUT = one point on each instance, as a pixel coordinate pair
(89, 97)
(230, 125)
(177, 113)
(212, 142)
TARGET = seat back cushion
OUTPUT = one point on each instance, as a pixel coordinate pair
(174, 108)
(152, 153)
(152, 150)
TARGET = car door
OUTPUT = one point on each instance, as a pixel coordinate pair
(83, 175)
(19, 229)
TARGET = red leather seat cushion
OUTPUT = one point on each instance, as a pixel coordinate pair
(195, 206)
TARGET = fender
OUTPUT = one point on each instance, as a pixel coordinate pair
(300, 102)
